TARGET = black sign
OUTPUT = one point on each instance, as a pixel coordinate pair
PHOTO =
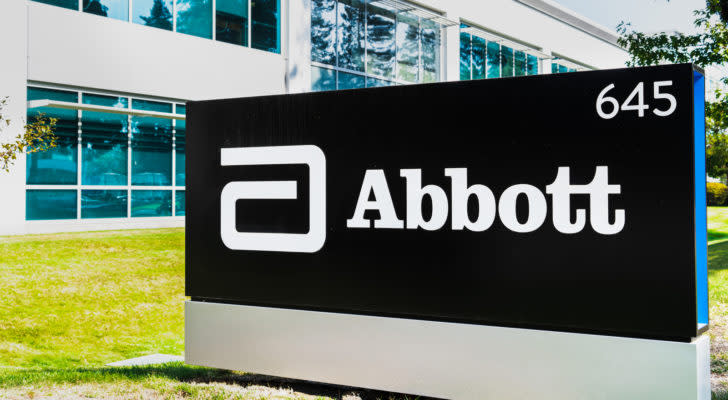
(571, 202)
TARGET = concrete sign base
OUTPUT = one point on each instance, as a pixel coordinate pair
(445, 360)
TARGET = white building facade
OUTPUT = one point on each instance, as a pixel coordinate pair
(117, 73)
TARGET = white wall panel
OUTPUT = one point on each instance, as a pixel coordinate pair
(13, 66)
(74, 48)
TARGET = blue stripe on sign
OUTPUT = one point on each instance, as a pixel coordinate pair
(701, 217)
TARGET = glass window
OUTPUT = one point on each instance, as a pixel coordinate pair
(350, 34)
(351, 81)
(532, 65)
(266, 32)
(232, 21)
(494, 64)
(373, 38)
(151, 151)
(322, 79)
(117, 9)
(104, 153)
(194, 17)
(506, 61)
(156, 13)
(58, 165)
(408, 46)
(179, 152)
(374, 82)
(103, 203)
(148, 105)
(151, 203)
(519, 63)
(72, 4)
(465, 54)
(554, 68)
(563, 69)
(478, 58)
(106, 101)
(430, 51)
(380, 42)
(179, 203)
(180, 109)
(323, 31)
(50, 204)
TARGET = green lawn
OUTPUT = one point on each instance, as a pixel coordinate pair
(87, 299)
(70, 303)
(717, 223)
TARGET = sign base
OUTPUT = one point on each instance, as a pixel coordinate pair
(445, 360)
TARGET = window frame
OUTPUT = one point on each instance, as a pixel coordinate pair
(281, 23)
(79, 187)
(394, 80)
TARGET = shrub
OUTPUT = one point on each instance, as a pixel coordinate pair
(717, 194)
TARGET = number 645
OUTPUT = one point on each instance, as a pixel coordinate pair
(640, 106)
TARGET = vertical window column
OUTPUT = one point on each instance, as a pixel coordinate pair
(231, 21)
(194, 17)
(104, 158)
(59, 165)
(151, 161)
(266, 27)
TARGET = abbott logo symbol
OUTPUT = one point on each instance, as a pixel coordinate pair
(310, 155)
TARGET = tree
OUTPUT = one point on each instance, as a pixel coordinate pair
(159, 16)
(37, 136)
(95, 7)
(707, 48)
(194, 17)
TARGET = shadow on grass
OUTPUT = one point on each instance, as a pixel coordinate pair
(718, 256)
(715, 235)
(179, 372)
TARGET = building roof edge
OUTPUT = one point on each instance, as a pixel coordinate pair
(572, 18)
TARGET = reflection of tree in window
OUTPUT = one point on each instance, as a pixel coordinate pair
(408, 47)
(380, 42)
(159, 16)
(95, 7)
(431, 51)
(322, 79)
(532, 65)
(264, 35)
(323, 33)
(493, 55)
(506, 61)
(465, 54)
(478, 58)
(194, 17)
(520, 63)
(350, 34)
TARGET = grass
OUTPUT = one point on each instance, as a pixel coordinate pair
(79, 300)
(717, 223)
(71, 303)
